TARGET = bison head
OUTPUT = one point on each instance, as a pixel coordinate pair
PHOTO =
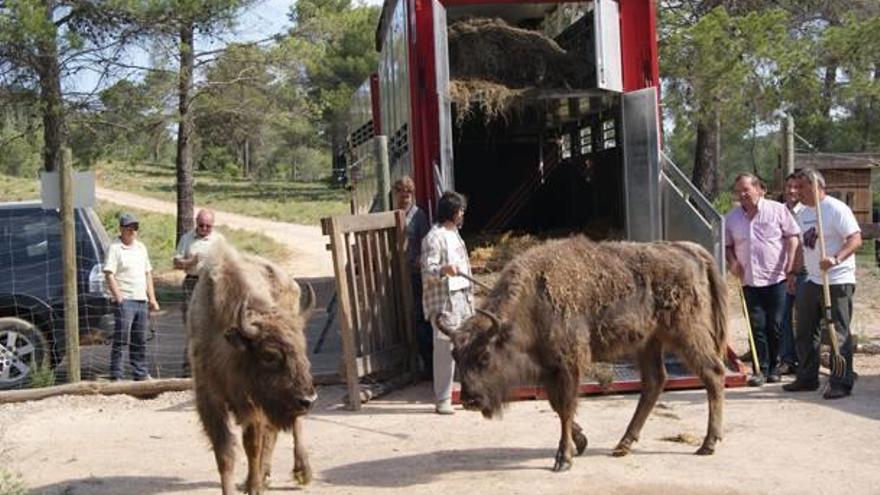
(481, 349)
(271, 347)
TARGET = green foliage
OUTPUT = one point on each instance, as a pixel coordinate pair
(746, 60)
(724, 202)
(11, 484)
(42, 375)
(158, 233)
(334, 40)
(297, 202)
(18, 188)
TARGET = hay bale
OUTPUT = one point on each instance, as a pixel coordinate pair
(496, 68)
(492, 50)
(492, 99)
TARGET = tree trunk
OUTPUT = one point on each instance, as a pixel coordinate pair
(828, 86)
(54, 126)
(708, 152)
(184, 132)
(871, 115)
(247, 158)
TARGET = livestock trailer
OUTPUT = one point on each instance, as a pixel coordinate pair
(545, 114)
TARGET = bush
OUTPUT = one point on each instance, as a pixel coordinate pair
(42, 375)
(11, 484)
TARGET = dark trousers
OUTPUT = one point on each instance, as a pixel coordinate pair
(810, 332)
(766, 305)
(189, 285)
(424, 332)
(787, 351)
(132, 319)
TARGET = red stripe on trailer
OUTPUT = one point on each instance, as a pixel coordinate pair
(425, 122)
(638, 44)
(735, 377)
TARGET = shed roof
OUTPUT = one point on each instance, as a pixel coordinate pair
(830, 161)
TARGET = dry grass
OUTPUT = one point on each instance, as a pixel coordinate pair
(496, 68)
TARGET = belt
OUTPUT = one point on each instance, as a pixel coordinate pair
(192, 277)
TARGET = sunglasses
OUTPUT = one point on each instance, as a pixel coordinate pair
(205, 225)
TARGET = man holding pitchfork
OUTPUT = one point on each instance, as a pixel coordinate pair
(831, 238)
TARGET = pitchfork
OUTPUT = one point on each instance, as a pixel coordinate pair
(838, 364)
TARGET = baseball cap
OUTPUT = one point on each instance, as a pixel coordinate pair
(127, 219)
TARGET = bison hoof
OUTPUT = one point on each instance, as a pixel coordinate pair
(580, 442)
(561, 464)
(705, 450)
(621, 451)
(303, 476)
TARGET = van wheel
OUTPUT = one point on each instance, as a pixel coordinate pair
(22, 350)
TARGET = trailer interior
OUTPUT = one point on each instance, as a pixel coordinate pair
(549, 160)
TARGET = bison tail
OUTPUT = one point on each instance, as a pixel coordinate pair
(718, 291)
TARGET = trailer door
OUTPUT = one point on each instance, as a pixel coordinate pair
(444, 178)
(641, 165)
(606, 25)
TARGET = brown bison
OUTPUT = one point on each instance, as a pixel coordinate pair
(564, 304)
(248, 353)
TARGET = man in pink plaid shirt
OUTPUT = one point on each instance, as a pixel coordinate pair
(762, 238)
(445, 293)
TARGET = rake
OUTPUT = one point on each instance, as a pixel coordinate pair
(838, 364)
(756, 366)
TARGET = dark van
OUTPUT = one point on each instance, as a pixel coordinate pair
(31, 289)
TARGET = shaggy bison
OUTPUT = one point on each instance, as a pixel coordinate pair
(564, 304)
(248, 356)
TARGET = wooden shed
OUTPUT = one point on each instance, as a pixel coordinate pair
(847, 177)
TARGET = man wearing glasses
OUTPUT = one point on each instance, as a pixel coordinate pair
(189, 256)
(129, 278)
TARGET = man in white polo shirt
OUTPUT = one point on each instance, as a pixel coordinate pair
(130, 281)
(189, 256)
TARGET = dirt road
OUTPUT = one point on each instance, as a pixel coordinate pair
(309, 258)
(775, 443)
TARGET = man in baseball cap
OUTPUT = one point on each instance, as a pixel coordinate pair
(130, 281)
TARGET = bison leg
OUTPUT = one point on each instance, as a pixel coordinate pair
(253, 446)
(710, 369)
(302, 470)
(580, 440)
(562, 394)
(270, 436)
(653, 378)
(214, 419)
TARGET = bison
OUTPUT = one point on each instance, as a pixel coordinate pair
(248, 353)
(565, 304)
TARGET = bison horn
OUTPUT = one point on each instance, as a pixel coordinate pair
(435, 320)
(496, 322)
(246, 329)
(307, 299)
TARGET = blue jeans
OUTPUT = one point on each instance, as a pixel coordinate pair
(787, 351)
(131, 318)
(766, 305)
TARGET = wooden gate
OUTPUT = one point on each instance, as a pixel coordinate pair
(374, 297)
